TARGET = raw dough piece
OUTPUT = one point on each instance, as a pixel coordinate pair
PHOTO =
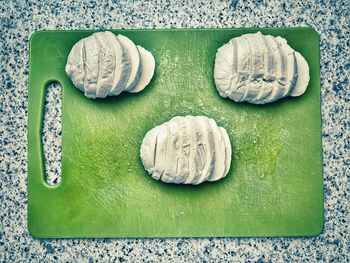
(259, 69)
(104, 64)
(187, 150)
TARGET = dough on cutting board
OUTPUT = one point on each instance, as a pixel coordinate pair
(187, 150)
(104, 64)
(259, 69)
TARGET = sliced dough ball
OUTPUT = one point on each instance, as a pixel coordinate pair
(259, 69)
(134, 59)
(147, 65)
(104, 64)
(187, 150)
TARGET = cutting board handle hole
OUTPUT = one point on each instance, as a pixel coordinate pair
(51, 135)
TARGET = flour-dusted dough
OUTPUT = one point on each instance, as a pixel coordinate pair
(187, 150)
(259, 69)
(104, 64)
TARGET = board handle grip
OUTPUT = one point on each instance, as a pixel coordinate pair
(36, 106)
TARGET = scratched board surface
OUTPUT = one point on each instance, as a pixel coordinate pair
(274, 186)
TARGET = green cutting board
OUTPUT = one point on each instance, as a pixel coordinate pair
(274, 186)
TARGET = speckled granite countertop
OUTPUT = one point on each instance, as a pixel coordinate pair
(19, 19)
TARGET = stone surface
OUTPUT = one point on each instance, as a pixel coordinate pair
(19, 19)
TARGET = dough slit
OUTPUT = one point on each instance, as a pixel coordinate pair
(84, 62)
(191, 158)
(251, 53)
(268, 58)
(99, 64)
(282, 78)
(155, 152)
(276, 91)
(177, 165)
(80, 85)
(181, 157)
(295, 74)
(234, 77)
(166, 152)
(114, 55)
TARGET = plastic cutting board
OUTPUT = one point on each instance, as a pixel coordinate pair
(275, 184)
